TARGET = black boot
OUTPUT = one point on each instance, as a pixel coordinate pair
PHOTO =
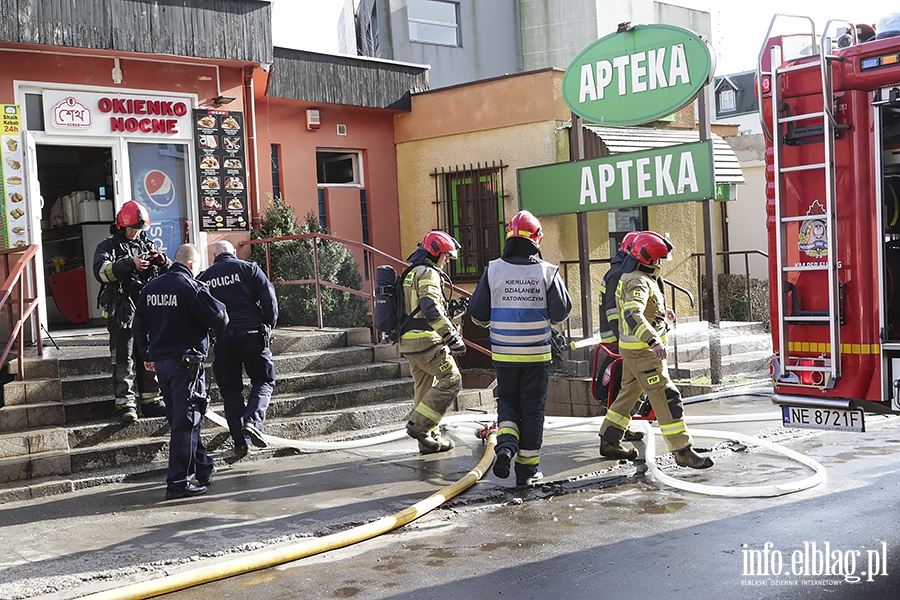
(686, 457)
(501, 463)
(616, 450)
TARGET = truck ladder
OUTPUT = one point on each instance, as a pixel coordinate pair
(829, 362)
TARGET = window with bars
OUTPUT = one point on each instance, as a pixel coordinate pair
(470, 207)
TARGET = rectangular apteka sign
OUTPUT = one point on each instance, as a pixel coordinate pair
(679, 173)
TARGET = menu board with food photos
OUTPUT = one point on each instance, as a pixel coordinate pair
(221, 170)
(13, 213)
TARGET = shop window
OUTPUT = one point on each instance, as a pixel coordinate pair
(726, 101)
(470, 208)
(338, 167)
(276, 170)
(434, 22)
(623, 221)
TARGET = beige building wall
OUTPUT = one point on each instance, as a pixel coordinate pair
(521, 120)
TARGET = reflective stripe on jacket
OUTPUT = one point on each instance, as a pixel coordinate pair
(520, 321)
(642, 310)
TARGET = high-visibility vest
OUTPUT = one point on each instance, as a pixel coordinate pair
(520, 321)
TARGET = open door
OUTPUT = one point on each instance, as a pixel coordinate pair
(34, 203)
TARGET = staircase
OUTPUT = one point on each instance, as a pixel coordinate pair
(329, 382)
(746, 350)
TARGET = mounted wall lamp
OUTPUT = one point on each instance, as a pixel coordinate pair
(222, 100)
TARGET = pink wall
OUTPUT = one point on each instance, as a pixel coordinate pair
(369, 131)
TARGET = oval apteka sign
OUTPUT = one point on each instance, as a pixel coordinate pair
(638, 75)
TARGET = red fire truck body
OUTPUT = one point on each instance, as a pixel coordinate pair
(833, 223)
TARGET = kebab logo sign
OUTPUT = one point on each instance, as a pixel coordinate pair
(70, 113)
(157, 189)
(813, 236)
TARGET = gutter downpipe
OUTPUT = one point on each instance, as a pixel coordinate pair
(253, 170)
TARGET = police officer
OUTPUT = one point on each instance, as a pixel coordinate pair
(429, 340)
(252, 313)
(123, 264)
(642, 344)
(174, 315)
(519, 297)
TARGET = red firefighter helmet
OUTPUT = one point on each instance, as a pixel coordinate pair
(628, 240)
(438, 241)
(525, 225)
(133, 215)
(649, 246)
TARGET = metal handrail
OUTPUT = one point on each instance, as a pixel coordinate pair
(369, 255)
(564, 267)
(13, 300)
(746, 254)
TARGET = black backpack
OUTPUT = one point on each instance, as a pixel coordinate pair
(389, 319)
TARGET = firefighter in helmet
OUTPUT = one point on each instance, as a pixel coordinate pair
(519, 297)
(123, 263)
(429, 340)
(642, 344)
(609, 315)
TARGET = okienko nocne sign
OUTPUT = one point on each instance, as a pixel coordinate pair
(638, 75)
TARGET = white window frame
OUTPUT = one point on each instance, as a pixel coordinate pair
(727, 99)
(454, 25)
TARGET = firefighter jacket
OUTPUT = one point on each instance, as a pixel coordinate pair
(121, 282)
(642, 309)
(174, 315)
(245, 291)
(519, 298)
(423, 287)
(609, 314)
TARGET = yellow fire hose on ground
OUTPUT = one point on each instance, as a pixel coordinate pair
(271, 558)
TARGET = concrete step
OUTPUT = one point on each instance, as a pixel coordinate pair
(33, 441)
(698, 331)
(79, 389)
(147, 453)
(24, 416)
(32, 391)
(41, 464)
(33, 367)
(695, 351)
(752, 363)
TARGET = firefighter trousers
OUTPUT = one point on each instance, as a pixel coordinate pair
(437, 383)
(642, 371)
(130, 378)
(521, 401)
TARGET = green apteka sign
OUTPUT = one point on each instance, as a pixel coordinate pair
(672, 174)
(637, 76)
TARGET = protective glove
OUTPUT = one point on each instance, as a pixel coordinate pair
(454, 343)
(156, 258)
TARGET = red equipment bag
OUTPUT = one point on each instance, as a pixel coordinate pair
(607, 375)
(607, 380)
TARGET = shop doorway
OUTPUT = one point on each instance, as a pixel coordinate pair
(77, 186)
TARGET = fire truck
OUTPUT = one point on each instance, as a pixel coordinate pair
(830, 109)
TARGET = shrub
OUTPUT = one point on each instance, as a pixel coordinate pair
(292, 260)
(733, 290)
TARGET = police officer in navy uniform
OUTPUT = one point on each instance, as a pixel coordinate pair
(174, 315)
(123, 264)
(520, 297)
(252, 312)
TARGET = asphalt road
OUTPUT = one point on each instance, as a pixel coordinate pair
(638, 539)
